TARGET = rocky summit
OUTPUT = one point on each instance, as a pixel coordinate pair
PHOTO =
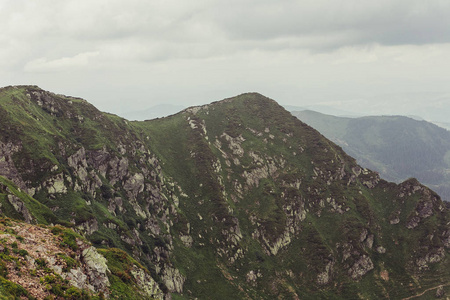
(236, 199)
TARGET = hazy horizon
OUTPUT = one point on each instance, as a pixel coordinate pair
(384, 57)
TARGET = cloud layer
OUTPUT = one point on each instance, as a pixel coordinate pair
(202, 50)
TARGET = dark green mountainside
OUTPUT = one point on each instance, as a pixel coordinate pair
(397, 147)
(237, 199)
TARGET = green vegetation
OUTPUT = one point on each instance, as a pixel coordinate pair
(70, 262)
(123, 283)
(40, 212)
(60, 289)
(236, 199)
(10, 290)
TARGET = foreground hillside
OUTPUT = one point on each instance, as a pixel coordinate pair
(235, 199)
(397, 147)
(41, 262)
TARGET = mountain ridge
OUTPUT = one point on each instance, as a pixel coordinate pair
(396, 146)
(237, 198)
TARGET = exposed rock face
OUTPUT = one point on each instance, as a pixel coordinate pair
(234, 144)
(396, 220)
(146, 284)
(280, 243)
(56, 185)
(424, 208)
(104, 173)
(92, 274)
(96, 268)
(446, 238)
(20, 207)
(413, 222)
(7, 166)
(361, 267)
(325, 277)
(173, 280)
(88, 227)
(434, 256)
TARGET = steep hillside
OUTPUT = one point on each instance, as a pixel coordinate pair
(40, 262)
(396, 147)
(235, 199)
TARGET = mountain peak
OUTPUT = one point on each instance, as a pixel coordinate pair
(249, 98)
(23, 86)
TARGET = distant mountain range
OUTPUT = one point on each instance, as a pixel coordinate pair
(157, 111)
(324, 109)
(443, 125)
(395, 146)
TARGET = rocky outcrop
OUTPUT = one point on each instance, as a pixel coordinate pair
(88, 227)
(146, 284)
(253, 176)
(173, 280)
(20, 207)
(433, 256)
(366, 238)
(446, 238)
(325, 277)
(96, 268)
(424, 208)
(92, 274)
(56, 184)
(38, 248)
(234, 144)
(363, 265)
(7, 166)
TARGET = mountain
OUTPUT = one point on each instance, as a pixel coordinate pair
(236, 199)
(329, 110)
(443, 125)
(397, 147)
(157, 111)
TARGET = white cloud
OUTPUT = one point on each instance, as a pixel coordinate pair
(61, 64)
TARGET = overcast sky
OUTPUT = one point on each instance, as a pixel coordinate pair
(373, 57)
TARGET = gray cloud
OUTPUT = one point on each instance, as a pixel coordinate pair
(341, 22)
(201, 50)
